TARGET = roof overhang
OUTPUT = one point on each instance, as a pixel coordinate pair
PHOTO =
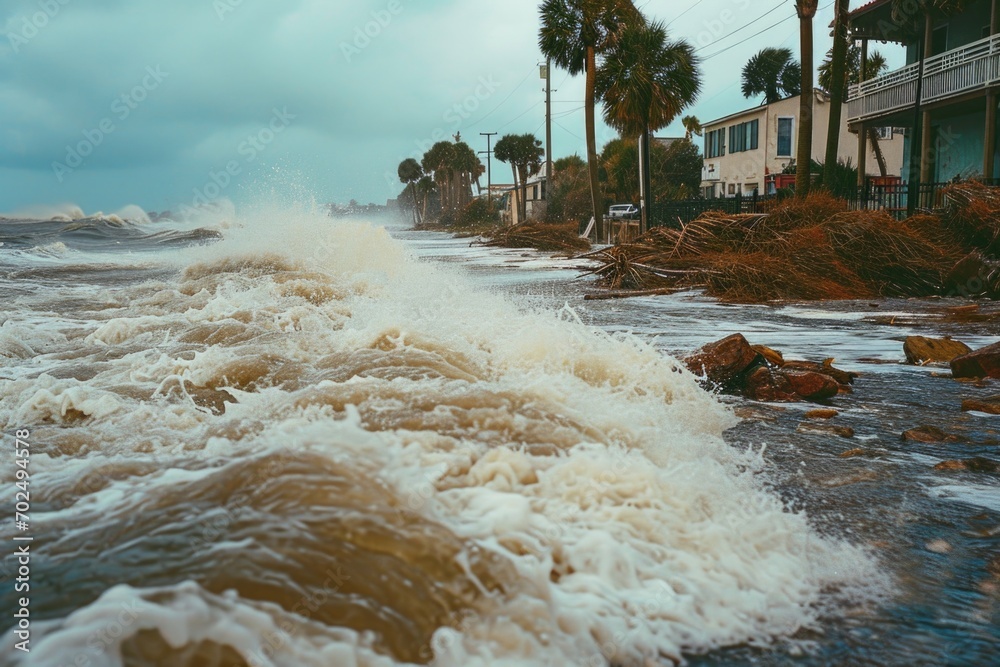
(876, 21)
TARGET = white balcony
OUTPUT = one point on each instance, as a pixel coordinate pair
(949, 74)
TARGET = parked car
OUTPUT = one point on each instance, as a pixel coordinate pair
(627, 211)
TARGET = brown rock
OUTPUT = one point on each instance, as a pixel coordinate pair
(822, 414)
(826, 368)
(773, 357)
(989, 405)
(984, 362)
(813, 386)
(975, 464)
(765, 384)
(826, 429)
(928, 434)
(921, 350)
(867, 453)
(723, 361)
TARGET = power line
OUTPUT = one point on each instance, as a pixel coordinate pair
(742, 27)
(760, 32)
(531, 108)
(504, 101)
(683, 13)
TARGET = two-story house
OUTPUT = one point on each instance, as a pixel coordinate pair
(749, 151)
(945, 96)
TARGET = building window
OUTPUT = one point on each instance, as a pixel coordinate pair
(884, 133)
(785, 126)
(743, 137)
(715, 143)
(732, 188)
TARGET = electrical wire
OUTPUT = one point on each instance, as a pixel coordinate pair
(758, 33)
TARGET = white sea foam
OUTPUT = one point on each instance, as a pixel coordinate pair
(590, 465)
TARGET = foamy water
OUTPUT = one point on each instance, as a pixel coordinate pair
(302, 446)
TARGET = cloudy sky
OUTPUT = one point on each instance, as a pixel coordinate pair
(105, 103)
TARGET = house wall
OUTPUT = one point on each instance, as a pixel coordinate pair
(746, 170)
(963, 28)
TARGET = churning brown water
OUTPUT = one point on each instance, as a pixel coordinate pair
(303, 446)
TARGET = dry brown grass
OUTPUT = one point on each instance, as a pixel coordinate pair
(543, 236)
(810, 250)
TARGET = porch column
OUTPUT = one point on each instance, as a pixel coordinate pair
(990, 134)
(926, 154)
(862, 154)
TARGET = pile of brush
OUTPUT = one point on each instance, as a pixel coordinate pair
(818, 249)
(543, 236)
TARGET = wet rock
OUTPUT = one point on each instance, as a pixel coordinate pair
(921, 350)
(749, 414)
(812, 386)
(975, 464)
(773, 357)
(826, 368)
(845, 480)
(822, 414)
(938, 547)
(826, 429)
(859, 452)
(989, 405)
(766, 384)
(724, 361)
(984, 362)
(929, 434)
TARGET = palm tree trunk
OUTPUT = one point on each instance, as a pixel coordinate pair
(524, 192)
(595, 185)
(803, 155)
(877, 149)
(838, 79)
(416, 205)
(515, 205)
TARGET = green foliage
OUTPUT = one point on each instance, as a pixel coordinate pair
(844, 180)
(569, 191)
(773, 73)
(675, 170)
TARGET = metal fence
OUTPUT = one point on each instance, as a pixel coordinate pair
(893, 198)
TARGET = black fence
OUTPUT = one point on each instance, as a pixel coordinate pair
(894, 198)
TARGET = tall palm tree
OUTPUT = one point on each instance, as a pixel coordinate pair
(572, 34)
(692, 126)
(409, 172)
(806, 10)
(772, 73)
(425, 186)
(523, 152)
(438, 161)
(837, 84)
(645, 82)
(874, 66)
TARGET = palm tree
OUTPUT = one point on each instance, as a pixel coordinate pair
(806, 10)
(692, 126)
(874, 66)
(425, 186)
(523, 152)
(773, 73)
(409, 172)
(572, 34)
(438, 161)
(645, 82)
(837, 83)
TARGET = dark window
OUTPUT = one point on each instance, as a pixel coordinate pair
(743, 137)
(939, 40)
(785, 136)
(715, 143)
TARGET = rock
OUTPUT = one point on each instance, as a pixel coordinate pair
(766, 384)
(974, 275)
(822, 414)
(749, 414)
(938, 547)
(989, 405)
(975, 464)
(929, 434)
(920, 350)
(984, 362)
(813, 386)
(724, 361)
(867, 453)
(773, 357)
(826, 368)
(826, 429)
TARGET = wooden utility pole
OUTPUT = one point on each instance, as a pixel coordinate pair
(547, 70)
(489, 164)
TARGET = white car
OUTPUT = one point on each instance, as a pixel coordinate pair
(623, 211)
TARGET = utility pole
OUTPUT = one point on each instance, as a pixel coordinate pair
(547, 71)
(489, 165)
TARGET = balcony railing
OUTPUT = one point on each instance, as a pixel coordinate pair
(970, 67)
